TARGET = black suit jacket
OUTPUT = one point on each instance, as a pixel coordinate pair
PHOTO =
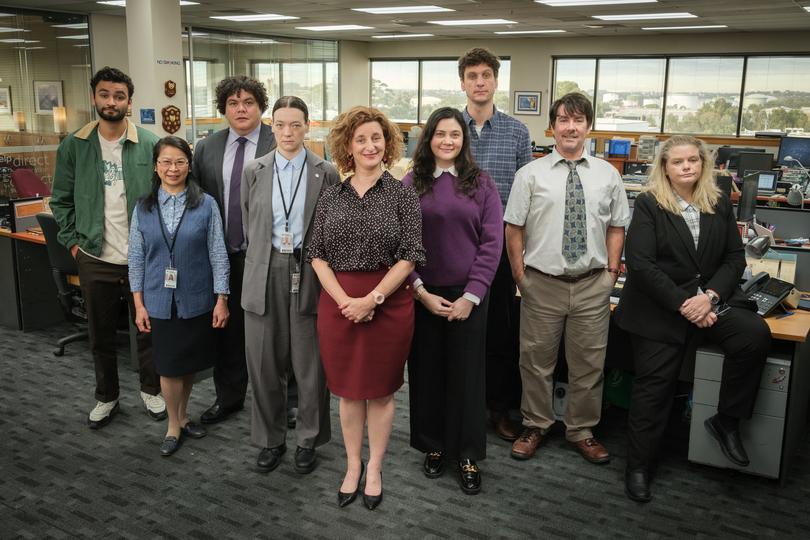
(664, 268)
(209, 154)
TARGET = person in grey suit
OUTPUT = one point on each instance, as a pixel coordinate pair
(280, 293)
(218, 163)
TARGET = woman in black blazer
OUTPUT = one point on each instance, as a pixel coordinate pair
(684, 260)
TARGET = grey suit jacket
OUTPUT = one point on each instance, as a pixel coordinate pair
(209, 154)
(257, 215)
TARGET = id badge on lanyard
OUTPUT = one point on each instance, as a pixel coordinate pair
(286, 242)
(170, 278)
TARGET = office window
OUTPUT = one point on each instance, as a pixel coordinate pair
(206, 76)
(574, 75)
(305, 80)
(777, 94)
(441, 87)
(704, 95)
(630, 94)
(268, 74)
(502, 93)
(395, 89)
(332, 81)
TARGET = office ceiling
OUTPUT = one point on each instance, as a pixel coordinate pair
(738, 15)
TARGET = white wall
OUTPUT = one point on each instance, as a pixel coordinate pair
(108, 36)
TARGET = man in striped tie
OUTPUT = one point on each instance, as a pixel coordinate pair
(565, 223)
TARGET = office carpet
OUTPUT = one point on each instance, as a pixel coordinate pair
(58, 479)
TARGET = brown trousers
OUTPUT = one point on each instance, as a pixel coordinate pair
(104, 287)
(582, 309)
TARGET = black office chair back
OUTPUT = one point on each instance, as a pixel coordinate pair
(58, 255)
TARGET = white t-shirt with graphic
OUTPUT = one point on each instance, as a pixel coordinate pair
(116, 223)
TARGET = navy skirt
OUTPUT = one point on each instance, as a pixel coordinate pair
(183, 346)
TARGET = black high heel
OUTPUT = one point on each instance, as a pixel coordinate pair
(345, 499)
(373, 501)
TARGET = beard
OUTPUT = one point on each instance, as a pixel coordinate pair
(110, 116)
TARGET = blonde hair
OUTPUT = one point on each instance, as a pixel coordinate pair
(706, 193)
(340, 138)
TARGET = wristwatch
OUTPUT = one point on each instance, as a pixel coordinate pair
(713, 298)
(379, 297)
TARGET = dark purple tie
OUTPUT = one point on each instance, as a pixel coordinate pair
(235, 236)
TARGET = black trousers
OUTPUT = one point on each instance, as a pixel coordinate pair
(446, 381)
(745, 340)
(230, 369)
(105, 287)
(502, 351)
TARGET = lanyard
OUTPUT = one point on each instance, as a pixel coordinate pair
(281, 191)
(174, 236)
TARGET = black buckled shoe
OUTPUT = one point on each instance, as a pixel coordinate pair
(218, 412)
(345, 499)
(305, 460)
(269, 458)
(193, 430)
(729, 440)
(469, 476)
(637, 485)
(170, 445)
(433, 466)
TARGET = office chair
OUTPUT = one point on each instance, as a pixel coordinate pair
(28, 184)
(63, 265)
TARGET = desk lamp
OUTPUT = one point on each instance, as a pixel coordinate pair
(797, 193)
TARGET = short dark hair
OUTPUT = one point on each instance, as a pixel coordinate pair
(111, 74)
(230, 86)
(476, 57)
(573, 103)
(294, 102)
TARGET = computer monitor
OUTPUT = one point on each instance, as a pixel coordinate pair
(748, 162)
(734, 156)
(767, 180)
(795, 147)
(746, 206)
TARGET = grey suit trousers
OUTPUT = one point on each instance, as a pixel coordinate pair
(276, 342)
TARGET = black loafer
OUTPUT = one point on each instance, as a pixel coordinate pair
(169, 446)
(269, 458)
(729, 440)
(218, 412)
(195, 431)
(305, 460)
(637, 485)
(433, 467)
(373, 501)
(469, 476)
(345, 499)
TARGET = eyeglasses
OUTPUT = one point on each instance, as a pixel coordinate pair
(167, 163)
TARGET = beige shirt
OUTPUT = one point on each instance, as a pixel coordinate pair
(537, 202)
(116, 222)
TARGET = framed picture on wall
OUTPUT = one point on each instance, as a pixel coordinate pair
(526, 102)
(5, 100)
(47, 95)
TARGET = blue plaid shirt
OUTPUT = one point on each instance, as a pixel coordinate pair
(502, 148)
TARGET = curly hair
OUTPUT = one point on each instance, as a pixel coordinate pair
(111, 74)
(230, 86)
(476, 57)
(424, 162)
(340, 138)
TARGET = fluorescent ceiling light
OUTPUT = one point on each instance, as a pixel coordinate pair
(253, 41)
(72, 26)
(253, 18)
(398, 36)
(807, 8)
(82, 36)
(572, 3)
(472, 22)
(402, 9)
(531, 32)
(123, 3)
(18, 40)
(30, 48)
(334, 27)
(82, 45)
(6, 15)
(701, 27)
(6, 30)
(646, 16)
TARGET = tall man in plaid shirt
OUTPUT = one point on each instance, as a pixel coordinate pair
(500, 144)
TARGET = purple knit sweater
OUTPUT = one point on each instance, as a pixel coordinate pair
(462, 236)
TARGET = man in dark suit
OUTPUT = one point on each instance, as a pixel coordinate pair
(218, 163)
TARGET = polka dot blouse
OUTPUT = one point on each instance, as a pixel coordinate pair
(365, 234)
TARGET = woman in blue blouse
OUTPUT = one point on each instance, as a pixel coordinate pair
(178, 273)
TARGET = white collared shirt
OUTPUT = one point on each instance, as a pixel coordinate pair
(439, 171)
(537, 202)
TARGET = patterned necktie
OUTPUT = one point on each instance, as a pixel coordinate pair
(575, 233)
(235, 237)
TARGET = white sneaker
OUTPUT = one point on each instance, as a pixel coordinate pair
(102, 413)
(154, 405)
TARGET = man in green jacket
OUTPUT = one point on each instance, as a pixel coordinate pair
(101, 171)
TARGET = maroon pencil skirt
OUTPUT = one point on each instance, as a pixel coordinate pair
(365, 360)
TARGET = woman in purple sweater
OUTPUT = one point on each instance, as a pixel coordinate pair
(462, 232)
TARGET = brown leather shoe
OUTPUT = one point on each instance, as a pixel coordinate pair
(504, 427)
(527, 443)
(592, 450)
